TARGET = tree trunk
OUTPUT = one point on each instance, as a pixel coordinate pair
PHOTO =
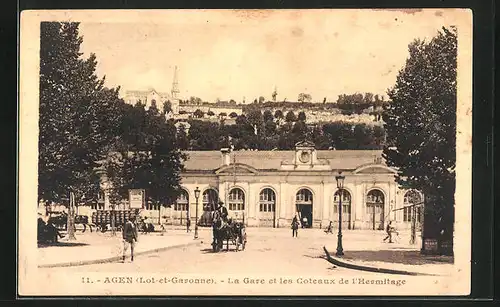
(71, 217)
(113, 221)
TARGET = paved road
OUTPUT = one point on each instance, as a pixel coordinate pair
(266, 253)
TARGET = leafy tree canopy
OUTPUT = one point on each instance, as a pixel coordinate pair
(421, 123)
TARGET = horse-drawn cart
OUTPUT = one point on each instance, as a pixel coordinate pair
(231, 231)
(60, 221)
(102, 218)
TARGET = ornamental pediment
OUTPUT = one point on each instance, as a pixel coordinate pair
(236, 168)
(374, 169)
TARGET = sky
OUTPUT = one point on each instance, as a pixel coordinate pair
(236, 54)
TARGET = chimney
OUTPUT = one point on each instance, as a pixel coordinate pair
(226, 157)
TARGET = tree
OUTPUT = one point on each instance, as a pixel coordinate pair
(304, 97)
(78, 118)
(198, 113)
(255, 117)
(340, 134)
(302, 116)
(420, 123)
(320, 139)
(378, 137)
(268, 116)
(290, 117)
(210, 113)
(167, 107)
(270, 128)
(182, 138)
(262, 99)
(233, 115)
(204, 135)
(278, 114)
(222, 114)
(149, 157)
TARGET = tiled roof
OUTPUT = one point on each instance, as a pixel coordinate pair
(265, 160)
(145, 93)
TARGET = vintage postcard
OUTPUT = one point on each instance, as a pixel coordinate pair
(245, 152)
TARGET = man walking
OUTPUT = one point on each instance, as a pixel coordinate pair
(129, 237)
(389, 229)
(295, 226)
(329, 229)
(188, 224)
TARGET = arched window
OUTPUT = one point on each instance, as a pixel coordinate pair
(210, 199)
(346, 202)
(267, 200)
(182, 202)
(236, 199)
(375, 197)
(412, 197)
(375, 209)
(304, 196)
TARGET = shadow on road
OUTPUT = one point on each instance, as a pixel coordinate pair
(315, 257)
(61, 244)
(210, 251)
(410, 257)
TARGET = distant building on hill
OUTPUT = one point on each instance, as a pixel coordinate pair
(152, 97)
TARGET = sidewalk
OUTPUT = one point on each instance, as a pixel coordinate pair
(97, 247)
(368, 251)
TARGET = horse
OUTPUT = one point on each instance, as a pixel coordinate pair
(61, 221)
(232, 231)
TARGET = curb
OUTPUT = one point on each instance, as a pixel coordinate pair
(115, 258)
(339, 263)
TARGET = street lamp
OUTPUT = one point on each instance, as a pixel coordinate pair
(340, 186)
(196, 195)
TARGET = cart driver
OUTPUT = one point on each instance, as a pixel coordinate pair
(222, 212)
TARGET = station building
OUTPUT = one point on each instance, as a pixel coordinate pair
(268, 188)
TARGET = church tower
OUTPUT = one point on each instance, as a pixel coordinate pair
(174, 92)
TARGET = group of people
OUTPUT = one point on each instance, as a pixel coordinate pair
(130, 233)
(390, 230)
(47, 232)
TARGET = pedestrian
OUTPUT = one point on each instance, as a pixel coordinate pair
(389, 229)
(295, 226)
(329, 229)
(188, 225)
(129, 237)
(304, 222)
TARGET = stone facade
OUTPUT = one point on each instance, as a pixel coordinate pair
(267, 188)
(150, 97)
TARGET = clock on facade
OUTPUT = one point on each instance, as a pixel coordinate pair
(305, 157)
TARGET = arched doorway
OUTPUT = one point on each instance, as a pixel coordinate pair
(236, 204)
(181, 206)
(346, 209)
(375, 202)
(412, 208)
(210, 198)
(304, 205)
(267, 207)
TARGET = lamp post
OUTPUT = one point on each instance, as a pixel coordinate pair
(196, 195)
(340, 185)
